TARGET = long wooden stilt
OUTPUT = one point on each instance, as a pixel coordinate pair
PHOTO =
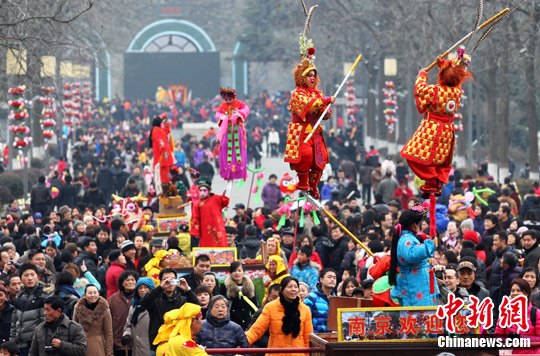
(319, 206)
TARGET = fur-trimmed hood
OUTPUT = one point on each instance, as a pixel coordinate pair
(248, 289)
(88, 317)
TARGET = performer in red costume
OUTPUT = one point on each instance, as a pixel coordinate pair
(161, 143)
(306, 105)
(430, 150)
(206, 219)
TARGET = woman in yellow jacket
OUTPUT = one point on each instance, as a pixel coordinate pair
(288, 319)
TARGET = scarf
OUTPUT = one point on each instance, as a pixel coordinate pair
(291, 319)
(91, 306)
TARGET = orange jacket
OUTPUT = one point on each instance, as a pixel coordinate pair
(271, 318)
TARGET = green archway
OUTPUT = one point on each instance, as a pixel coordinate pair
(186, 29)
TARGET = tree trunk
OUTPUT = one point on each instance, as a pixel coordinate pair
(530, 92)
(503, 113)
(492, 118)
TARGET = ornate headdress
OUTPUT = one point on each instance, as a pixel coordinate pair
(307, 50)
(223, 91)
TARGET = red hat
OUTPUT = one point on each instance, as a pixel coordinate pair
(471, 236)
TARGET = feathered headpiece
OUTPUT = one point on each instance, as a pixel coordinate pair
(307, 50)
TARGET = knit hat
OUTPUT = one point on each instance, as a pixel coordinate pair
(471, 236)
(77, 223)
(127, 245)
(467, 223)
(177, 322)
(147, 281)
(64, 209)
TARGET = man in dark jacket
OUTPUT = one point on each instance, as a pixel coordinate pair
(250, 244)
(529, 241)
(68, 192)
(202, 265)
(94, 196)
(467, 274)
(336, 253)
(88, 255)
(28, 307)
(104, 181)
(40, 197)
(58, 335)
(171, 294)
(500, 240)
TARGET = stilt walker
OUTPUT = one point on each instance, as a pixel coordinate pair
(231, 116)
(160, 140)
(429, 152)
(306, 106)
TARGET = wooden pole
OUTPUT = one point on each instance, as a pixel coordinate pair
(485, 24)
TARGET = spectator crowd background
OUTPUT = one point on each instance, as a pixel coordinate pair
(69, 243)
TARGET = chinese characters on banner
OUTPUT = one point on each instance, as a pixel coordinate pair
(455, 317)
(512, 312)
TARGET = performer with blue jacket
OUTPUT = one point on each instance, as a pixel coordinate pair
(411, 276)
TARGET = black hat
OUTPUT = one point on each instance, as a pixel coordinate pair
(286, 232)
(367, 283)
(204, 181)
(156, 243)
(240, 206)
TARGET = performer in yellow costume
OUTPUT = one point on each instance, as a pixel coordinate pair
(175, 336)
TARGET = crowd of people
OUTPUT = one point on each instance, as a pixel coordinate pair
(79, 279)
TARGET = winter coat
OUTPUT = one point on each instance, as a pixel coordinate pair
(308, 274)
(221, 333)
(97, 325)
(532, 333)
(138, 332)
(111, 278)
(119, 305)
(240, 311)
(507, 276)
(272, 318)
(251, 245)
(70, 296)
(28, 314)
(158, 303)
(270, 196)
(90, 260)
(531, 257)
(478, 291)
(496, 273)
(72, 335)
(5, 322)
(40, 196)
(319, 304)
(336, 253)
(415, 285)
